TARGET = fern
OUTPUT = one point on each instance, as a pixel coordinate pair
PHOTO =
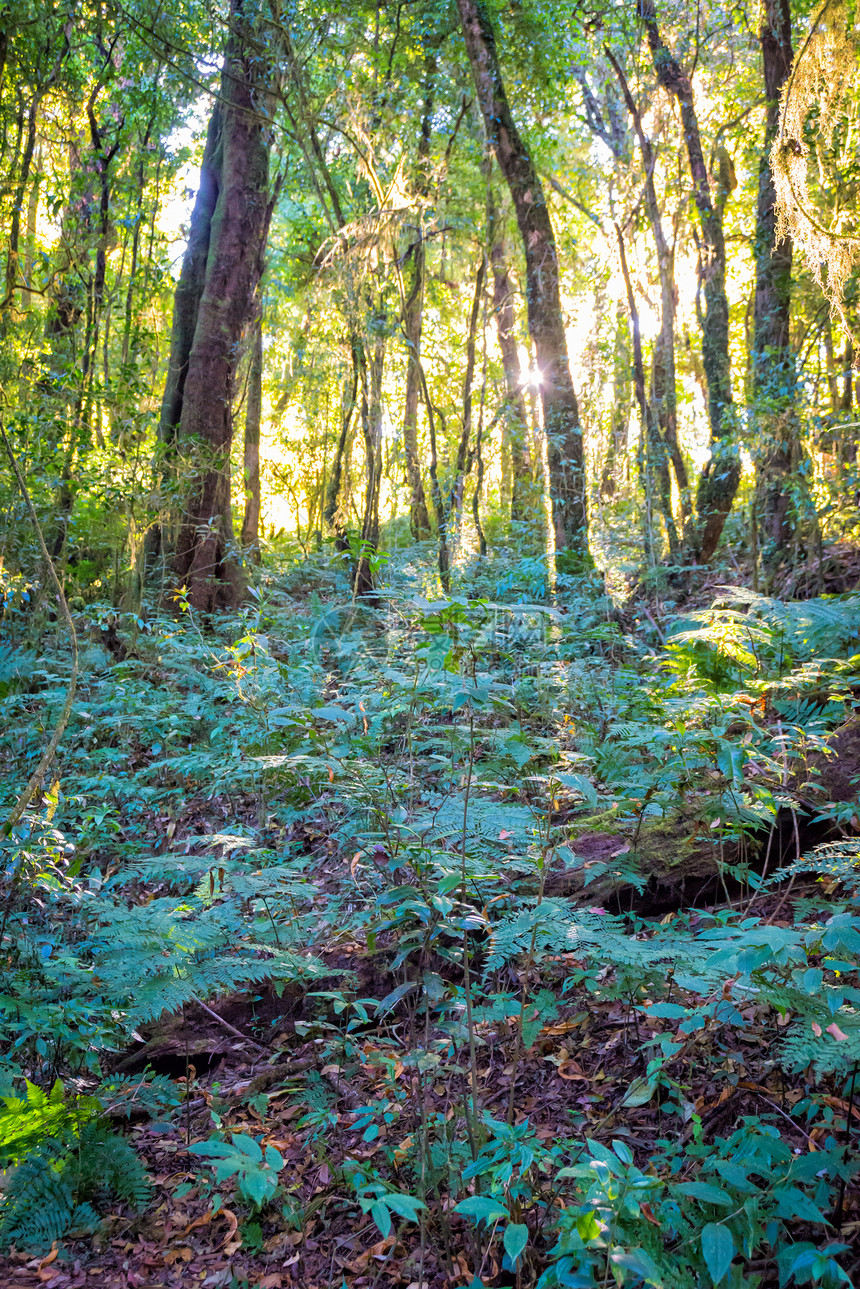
(49, 1194)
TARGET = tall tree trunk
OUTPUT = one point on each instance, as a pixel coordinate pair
(206, 559)
(663, 379)
(546, 322)
(192, 276)
(371, 424)
(616, 450)
(654, 454)
(412, 323)
(773, 366)
(251, 453)
(721, 475)
(349, 400)
(516, 415)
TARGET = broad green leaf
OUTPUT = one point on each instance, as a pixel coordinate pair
(640, 1092)
(706, 1193)
(641, 1264)
(718, 1249)
(381, 1216)
(481, 1208)
(515, 1240)
(248, 1146)
(408, 1206)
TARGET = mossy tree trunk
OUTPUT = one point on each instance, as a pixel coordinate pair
(721, 475)
(516, 415)
(773, 363)
(546, 321)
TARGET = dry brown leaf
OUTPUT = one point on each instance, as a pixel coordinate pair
(233, 1223)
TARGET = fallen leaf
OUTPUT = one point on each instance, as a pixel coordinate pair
(571, 1071)
(233, 1222)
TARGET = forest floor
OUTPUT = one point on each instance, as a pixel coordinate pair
(477, 941)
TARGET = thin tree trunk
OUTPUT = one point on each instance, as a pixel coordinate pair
(412, 324)
(720, 477)
(349, 401)
(371, 423)
(616, 450)
(251, 453)
(516, 418)
(655, 446)
(464, 454)
(664, 386)
(546, 321)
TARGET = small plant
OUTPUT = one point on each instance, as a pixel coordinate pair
(255, 1169)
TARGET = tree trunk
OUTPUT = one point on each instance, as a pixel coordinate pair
(516, 419)
(371, 423)
(663, 381)
(251, 455)
(655, 448)
(721, 475)
(349, 399)
(546, 322)
(412, 322)
(192, 276)
(616, 449)
(774, 372)
(206, 558)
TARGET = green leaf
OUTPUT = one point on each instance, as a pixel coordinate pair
(381, 1216)
(248, 1146)
(515, 1240)
(718, 1249)
(791, 1202)
(391, 1000)
(481, 1208)
(641, 1264)
(407, 1206)
(640, 1092)
(706, 1193)
(588, 1227)
(257, 1185)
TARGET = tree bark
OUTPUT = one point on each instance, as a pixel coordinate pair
(616, 448)
(655, 456)
(663, 382)
(412, 325)
(251, 453)
(516, 419)
(206, 558)
(192, 276)
(774, 372)
(546, 322)
(720, 477)
(371, 424)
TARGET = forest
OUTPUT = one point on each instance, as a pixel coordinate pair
(429, 644)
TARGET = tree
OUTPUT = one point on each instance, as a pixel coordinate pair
(412, 319)
(773, 364)
(251, 447)
(720, 477)
(546, 320)
(214, 304)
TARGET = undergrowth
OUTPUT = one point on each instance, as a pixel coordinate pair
(384, 818)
